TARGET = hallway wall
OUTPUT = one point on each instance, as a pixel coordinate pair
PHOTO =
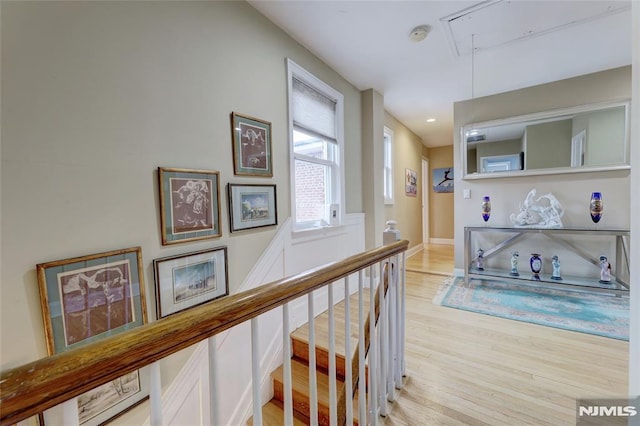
(406, 210)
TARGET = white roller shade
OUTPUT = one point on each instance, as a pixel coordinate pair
(313, 111)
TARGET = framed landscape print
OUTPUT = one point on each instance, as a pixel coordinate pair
(189, 280)
(85, 299)
(104, 403)
(189, 204)
(251, 139)
(251, 206)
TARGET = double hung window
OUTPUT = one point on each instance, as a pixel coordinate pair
(316, 135)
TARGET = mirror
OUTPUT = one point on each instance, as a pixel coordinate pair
(579, 139)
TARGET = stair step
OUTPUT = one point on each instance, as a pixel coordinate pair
(300, 336)
(300, 390)
(273, 415)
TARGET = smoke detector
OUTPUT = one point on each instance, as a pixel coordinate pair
(419, 33)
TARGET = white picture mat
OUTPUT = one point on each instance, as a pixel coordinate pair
(165, 277)
(237, 193)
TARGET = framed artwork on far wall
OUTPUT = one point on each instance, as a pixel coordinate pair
(86, 299)
(251, 139)
(251, 206)
(189, 204)
(410, 183)
(188, 280)
(443, 179)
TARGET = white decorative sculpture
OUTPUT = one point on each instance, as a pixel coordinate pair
(542, 212)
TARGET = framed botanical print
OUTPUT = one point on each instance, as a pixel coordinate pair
(188, 280)
(189, 204)
(252, 206)
(251, 139)
(85, 299)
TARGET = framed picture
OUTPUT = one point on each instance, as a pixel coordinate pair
(188, 280)
(251, 206)
(443, 179)
(251, 139)
(104, 403)
(36, 420)
(410, 182)
(85, 299)
(189, 204)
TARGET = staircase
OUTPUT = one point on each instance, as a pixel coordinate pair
(273, 413)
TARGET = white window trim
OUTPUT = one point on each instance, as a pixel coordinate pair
(305, 76)
(388, 198)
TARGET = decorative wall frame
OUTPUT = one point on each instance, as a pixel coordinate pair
(191, 279)
(443, 179)
(189, 204)
(251, 138)
(251, 206)
(410, 182)
(86, 299)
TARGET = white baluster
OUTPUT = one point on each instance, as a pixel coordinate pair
(214, 387)
(373, 348)
(286, 362)
(391, 321)
(393, 331)
(398, 366)
(384, 341)
(333, 404)
(70, 412)
(313, 389)
(255, 373)
(348, 375)
(362, 404)
(155, 394)
(403, 316)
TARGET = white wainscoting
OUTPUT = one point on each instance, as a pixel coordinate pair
(287, 254)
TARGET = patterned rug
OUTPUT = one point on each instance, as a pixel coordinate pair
(594, 313)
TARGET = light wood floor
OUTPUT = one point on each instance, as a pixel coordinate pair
(473, 369)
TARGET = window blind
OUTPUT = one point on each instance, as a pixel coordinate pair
(313, 110)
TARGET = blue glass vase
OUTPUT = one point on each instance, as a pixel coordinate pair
(596, 207)
(536, 265)
(486, 208)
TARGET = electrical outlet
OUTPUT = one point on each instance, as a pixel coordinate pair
(466, 193)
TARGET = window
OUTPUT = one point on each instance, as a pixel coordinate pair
(388, 166)
(316, 135)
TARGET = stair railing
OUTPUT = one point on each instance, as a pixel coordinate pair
(32, 388)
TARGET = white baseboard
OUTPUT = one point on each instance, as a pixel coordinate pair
(446, 241)
(458, 272)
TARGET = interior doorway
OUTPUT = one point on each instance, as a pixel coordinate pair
(425, 201)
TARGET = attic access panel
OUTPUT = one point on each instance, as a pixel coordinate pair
(495, 22)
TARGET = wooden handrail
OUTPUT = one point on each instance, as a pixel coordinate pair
(45, 383)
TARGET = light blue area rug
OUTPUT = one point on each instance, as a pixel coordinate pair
(594, 313)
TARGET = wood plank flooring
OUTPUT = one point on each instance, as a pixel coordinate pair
(465, 368)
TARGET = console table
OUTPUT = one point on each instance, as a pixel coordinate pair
(558, 237)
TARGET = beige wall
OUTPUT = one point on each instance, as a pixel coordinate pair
(441, 205)
(96, 96)
(407, 154)
(572, 190)
(373, 116)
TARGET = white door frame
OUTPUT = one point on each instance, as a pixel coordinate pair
(425, 201)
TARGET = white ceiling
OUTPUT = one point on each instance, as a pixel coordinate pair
(516, 44)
